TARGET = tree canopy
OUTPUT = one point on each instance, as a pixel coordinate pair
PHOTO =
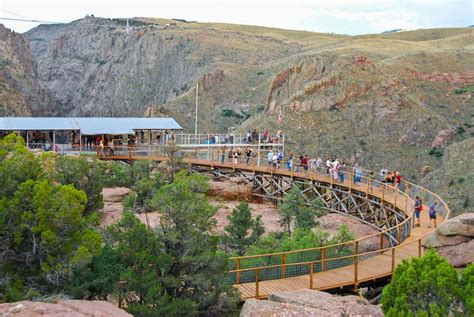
(242, 231)
(295, 211)
(426, 286)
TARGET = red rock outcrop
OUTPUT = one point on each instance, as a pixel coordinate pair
(62, 308)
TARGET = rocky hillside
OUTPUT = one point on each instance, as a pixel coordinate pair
(454, 179)
(101, 67)
(395, 98)
(20, 92)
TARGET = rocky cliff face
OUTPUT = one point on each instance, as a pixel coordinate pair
(101, 67)
(20, 93)
(454, 179)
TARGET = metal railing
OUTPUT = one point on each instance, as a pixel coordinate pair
(263, 267)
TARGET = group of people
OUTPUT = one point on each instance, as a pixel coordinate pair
(252, 137)
(236, 155)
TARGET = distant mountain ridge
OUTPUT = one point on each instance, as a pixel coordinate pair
(391, 98)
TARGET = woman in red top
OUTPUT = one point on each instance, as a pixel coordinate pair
(398, 179)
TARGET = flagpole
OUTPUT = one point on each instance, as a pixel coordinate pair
(197, 105)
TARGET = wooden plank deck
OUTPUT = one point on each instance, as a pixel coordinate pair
(372, 269)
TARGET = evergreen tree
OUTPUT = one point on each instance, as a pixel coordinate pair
(17, 165)
(467, 289)
(44, 238)
(198, 268)
(242, 231)
(85, 173)
(295, 209)
(426, 286)
(43, 232)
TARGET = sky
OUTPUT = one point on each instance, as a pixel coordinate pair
(334, 16)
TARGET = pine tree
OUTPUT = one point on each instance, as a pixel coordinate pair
(295, 209)
(242, 230)
(467, 289)
(426, 286)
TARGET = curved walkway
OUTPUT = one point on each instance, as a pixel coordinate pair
(331, 267)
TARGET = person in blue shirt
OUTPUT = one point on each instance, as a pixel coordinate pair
(270, 159)
(418, 207)
(433, 214)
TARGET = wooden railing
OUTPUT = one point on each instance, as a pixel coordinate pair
(262, 267)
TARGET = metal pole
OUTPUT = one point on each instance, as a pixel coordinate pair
(283, 146)
(27, 139)
(80, 142)
(54, 141)
(197, 106)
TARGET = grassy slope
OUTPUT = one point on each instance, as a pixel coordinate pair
(351, 132)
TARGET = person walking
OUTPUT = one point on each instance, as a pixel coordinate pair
(319, 164)
(372, 179)
(270, 159)
(248, 154)
(223, 151)
(304, 163)
(279, 158)
(433, 214)
(340, 171)
(418, 206)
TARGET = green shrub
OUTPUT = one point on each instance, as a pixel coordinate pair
(426, 286)
(437, 152)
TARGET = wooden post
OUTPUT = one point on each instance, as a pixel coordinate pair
(323, 260)
(396, 194)
(393, 259)
(350, 181)
(238, 270)
(423, 196)
(356, 270)
(311, 275)
(149, 150)
(381, 243)
(383, 192)
(368, 185)
(419, 247)
(283, 268)
(399, 235)
(257, 291)
(80, 142)
(258, 150)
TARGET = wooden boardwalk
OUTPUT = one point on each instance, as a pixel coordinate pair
(366, 268)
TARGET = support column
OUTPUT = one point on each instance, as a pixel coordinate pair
(54, 140)
(258, 151)
(27, 139)
(80, 142)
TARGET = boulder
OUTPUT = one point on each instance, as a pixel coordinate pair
(62, 308)
(230, 190)
(460, 225)
(264, 308)
(453, 239)
(434, 241)
(308, 302)
(116, 194)
(458, 255)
